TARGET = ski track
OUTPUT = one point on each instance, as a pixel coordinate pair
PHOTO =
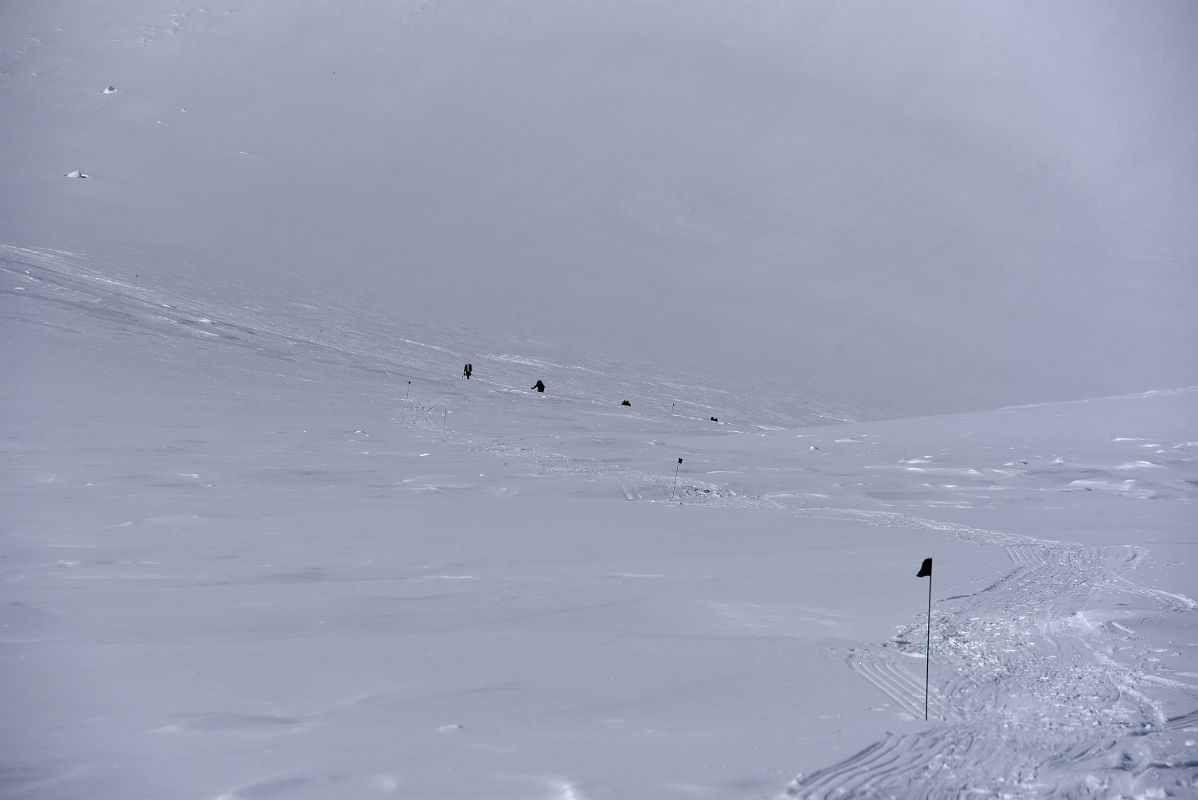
(1026, 676)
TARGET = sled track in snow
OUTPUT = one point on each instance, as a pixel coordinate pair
(896, 761)
(903, 687)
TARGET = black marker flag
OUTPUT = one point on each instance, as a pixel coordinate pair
(675, 480)
(925, 571)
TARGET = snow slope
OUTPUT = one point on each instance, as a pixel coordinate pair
(246, 561)
(934, 206)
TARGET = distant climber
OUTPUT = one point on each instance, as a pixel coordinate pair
(467, 371)
(715, 419)
(539, 385)
(626, 403)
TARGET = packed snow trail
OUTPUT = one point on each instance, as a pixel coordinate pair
(1039, 699)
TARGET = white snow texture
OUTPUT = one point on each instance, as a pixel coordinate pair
(893, 280)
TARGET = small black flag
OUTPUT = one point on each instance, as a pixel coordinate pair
(925, 570)
(680, 461)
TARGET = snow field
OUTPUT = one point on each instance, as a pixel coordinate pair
(260, 541)
(264, 560)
